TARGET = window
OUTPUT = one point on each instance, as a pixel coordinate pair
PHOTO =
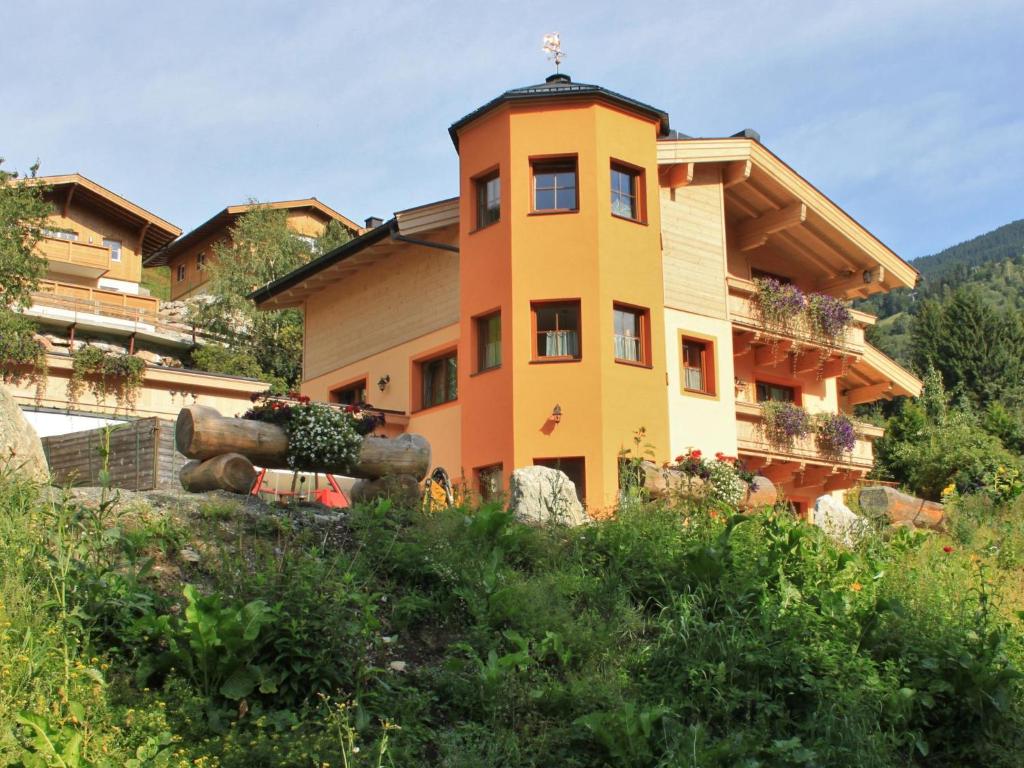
(557, 325)
(182, 270)
(310, 242)
(554, 185)
(201, 261)
(775, 392)
(625, 192)
(574, 468)
(488, 200)
(439, 380)
(698, 366)
(61, 234)
(760, 274)
(488, 341)
(350, 394)
(115, 249)
(631, 342)
(488, 482)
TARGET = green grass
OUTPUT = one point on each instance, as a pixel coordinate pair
(683, 636)
(158, 281)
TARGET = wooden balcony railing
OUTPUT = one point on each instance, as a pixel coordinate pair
(744, 316)
(96, 301)
(751, 441)
(94, 259)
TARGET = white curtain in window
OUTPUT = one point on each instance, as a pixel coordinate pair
(562, 344)
(627, 347)
(694, 379)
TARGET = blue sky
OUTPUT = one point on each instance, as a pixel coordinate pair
(907, 113)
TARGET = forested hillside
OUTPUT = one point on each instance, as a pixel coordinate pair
(993, 263)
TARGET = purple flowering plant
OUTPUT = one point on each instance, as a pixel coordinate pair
(835, 434)
(827, 318)
(784, 423)
(777, 304)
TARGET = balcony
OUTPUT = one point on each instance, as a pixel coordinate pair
(752, 332)
(782, 465)
(74, 258)
(77, 299)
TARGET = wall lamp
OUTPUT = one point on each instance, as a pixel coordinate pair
(556, 414)
(382, 384)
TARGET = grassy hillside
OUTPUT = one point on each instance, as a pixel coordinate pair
(158, 281)
(210, 634)
(993, 262)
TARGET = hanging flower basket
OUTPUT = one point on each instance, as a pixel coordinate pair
(782, 424)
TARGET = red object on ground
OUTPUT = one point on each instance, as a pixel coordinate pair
(332, 497)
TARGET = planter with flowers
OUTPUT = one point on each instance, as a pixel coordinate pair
(783, 424)
(783, 309)
(835, 434)
(320, 437)
(722, 480)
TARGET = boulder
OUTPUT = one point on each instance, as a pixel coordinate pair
(152, 358)
(838, 521)
(901, 508)
(543, 494)
(20, 447)
(762, 493)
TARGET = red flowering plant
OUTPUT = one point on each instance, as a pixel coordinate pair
(723, 479)
(321, 437)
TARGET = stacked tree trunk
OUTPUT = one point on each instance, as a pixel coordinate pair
(226, 451)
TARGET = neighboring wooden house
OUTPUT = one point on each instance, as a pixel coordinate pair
(94, 244)
(189, 256)
(594, 276)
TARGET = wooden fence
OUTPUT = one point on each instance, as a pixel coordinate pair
(140, 456)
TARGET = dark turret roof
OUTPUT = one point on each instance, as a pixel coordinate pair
(561, 86)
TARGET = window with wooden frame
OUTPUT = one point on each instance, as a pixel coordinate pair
(201, 261)
(555, 185)
(698, 358)
(182, 271)
(350, 394)
(488, 482)
(626, 185)
(632, 334)
(556, 327)
(488, 199)
(779, 393)
(488, 342)
(438, 380)
(115, 249)
(575, 468)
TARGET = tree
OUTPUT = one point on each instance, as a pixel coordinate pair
(978, 350)
(261, 344)
(23, 213)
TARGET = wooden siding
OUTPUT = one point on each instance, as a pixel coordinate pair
(693, 246)
(400, 298)
(142, 456)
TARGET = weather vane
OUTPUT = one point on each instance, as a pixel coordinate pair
(553, 48)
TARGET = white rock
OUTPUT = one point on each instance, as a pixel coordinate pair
(838, 521)
(397, 666)
(543, 494)
(20, 448)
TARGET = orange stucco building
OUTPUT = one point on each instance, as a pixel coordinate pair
(594, 276)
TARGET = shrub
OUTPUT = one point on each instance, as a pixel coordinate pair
(105, 373)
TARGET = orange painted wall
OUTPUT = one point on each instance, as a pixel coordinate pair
(587, 255)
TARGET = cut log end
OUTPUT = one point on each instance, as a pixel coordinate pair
(228, 472)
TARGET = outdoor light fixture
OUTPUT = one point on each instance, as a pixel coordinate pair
(382, 384)
(556, 414)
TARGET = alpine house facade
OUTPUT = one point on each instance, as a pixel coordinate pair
(598, 273)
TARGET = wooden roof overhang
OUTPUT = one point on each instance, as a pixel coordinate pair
(222, 220)
(770, 206)
(423, 228)
(154, 232)
(876, 376)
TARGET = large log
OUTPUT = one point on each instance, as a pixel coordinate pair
(402, 489)
(229, 471)
(202, 433)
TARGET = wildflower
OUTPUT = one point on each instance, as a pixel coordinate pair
(947, 549)
(856, 586)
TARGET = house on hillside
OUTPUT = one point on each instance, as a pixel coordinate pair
(94, 245)
(189, 256)
(597, 273)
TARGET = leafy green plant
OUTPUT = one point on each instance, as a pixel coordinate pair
(51, 746)
(105, 373)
